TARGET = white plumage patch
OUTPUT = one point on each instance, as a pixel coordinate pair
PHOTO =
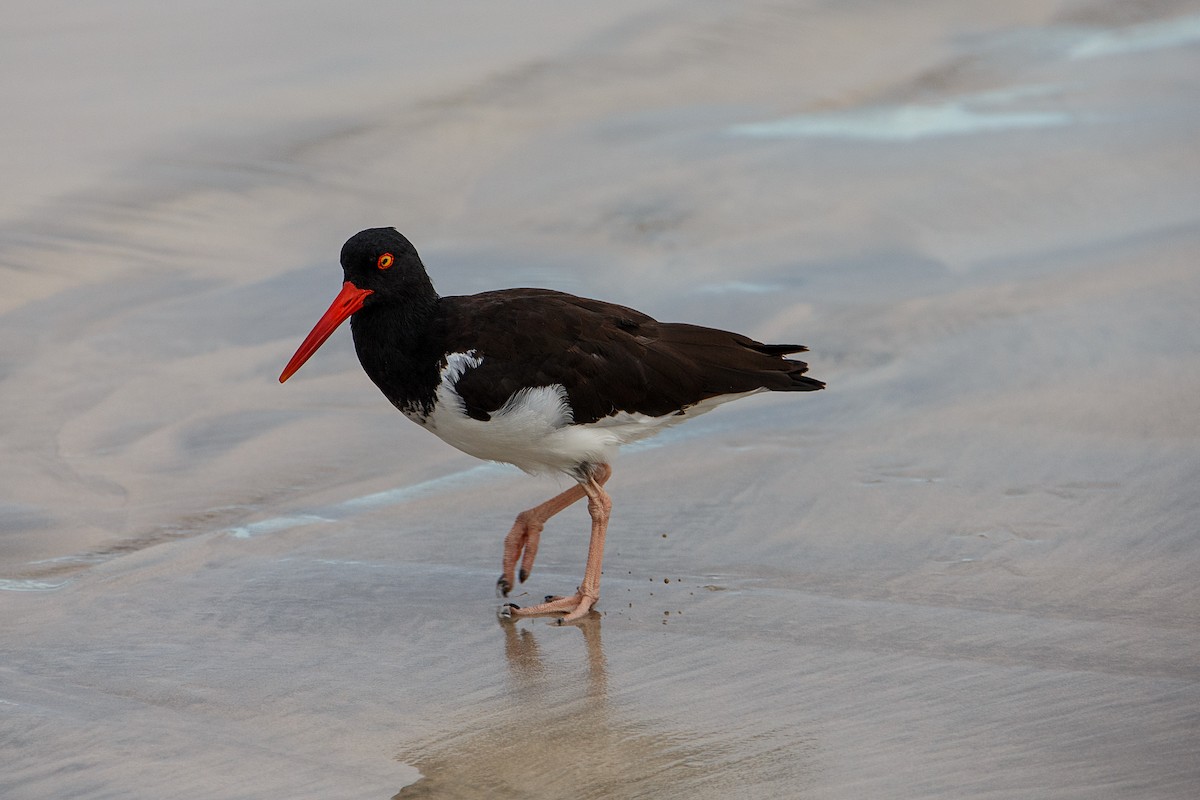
(534, 429)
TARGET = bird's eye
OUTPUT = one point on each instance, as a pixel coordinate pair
(385, 261)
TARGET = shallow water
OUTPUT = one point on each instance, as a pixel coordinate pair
(967, 569)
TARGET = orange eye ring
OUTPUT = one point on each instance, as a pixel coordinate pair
(385, 261)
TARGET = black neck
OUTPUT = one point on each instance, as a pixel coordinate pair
(396, 347)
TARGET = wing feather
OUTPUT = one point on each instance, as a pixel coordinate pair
(607, 357)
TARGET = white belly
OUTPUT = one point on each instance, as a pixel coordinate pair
(534, 430)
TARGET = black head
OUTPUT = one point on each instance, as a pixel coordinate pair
(384, 279)
(384, 262)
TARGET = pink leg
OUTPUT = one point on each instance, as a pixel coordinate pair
(585, 597)
(526, 532)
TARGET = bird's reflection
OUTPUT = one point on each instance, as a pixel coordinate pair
(557, 735)
(560, 731)
(527, 670)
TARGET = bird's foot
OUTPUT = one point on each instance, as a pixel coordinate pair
(575, 607)
(521, 544)
(505, 584)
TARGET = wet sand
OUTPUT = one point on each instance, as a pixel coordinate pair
(967, 569)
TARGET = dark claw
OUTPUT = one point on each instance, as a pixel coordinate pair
(523, 575)
(550, 597)
(503, 586)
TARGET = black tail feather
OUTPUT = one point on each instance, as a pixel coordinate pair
(779, 349)
(800, 381)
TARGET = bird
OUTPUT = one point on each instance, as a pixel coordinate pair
(541, 379)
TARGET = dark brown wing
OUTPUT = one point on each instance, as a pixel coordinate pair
(609, 358)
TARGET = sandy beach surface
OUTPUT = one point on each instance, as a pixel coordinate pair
(966, 570)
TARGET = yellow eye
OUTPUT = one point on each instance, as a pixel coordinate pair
(385, 261)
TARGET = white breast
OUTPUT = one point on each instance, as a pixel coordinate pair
(534, 429)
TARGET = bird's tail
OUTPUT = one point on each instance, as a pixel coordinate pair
(798, 381)
(729, 363)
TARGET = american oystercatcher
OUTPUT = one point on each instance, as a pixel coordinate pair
(541, 379)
